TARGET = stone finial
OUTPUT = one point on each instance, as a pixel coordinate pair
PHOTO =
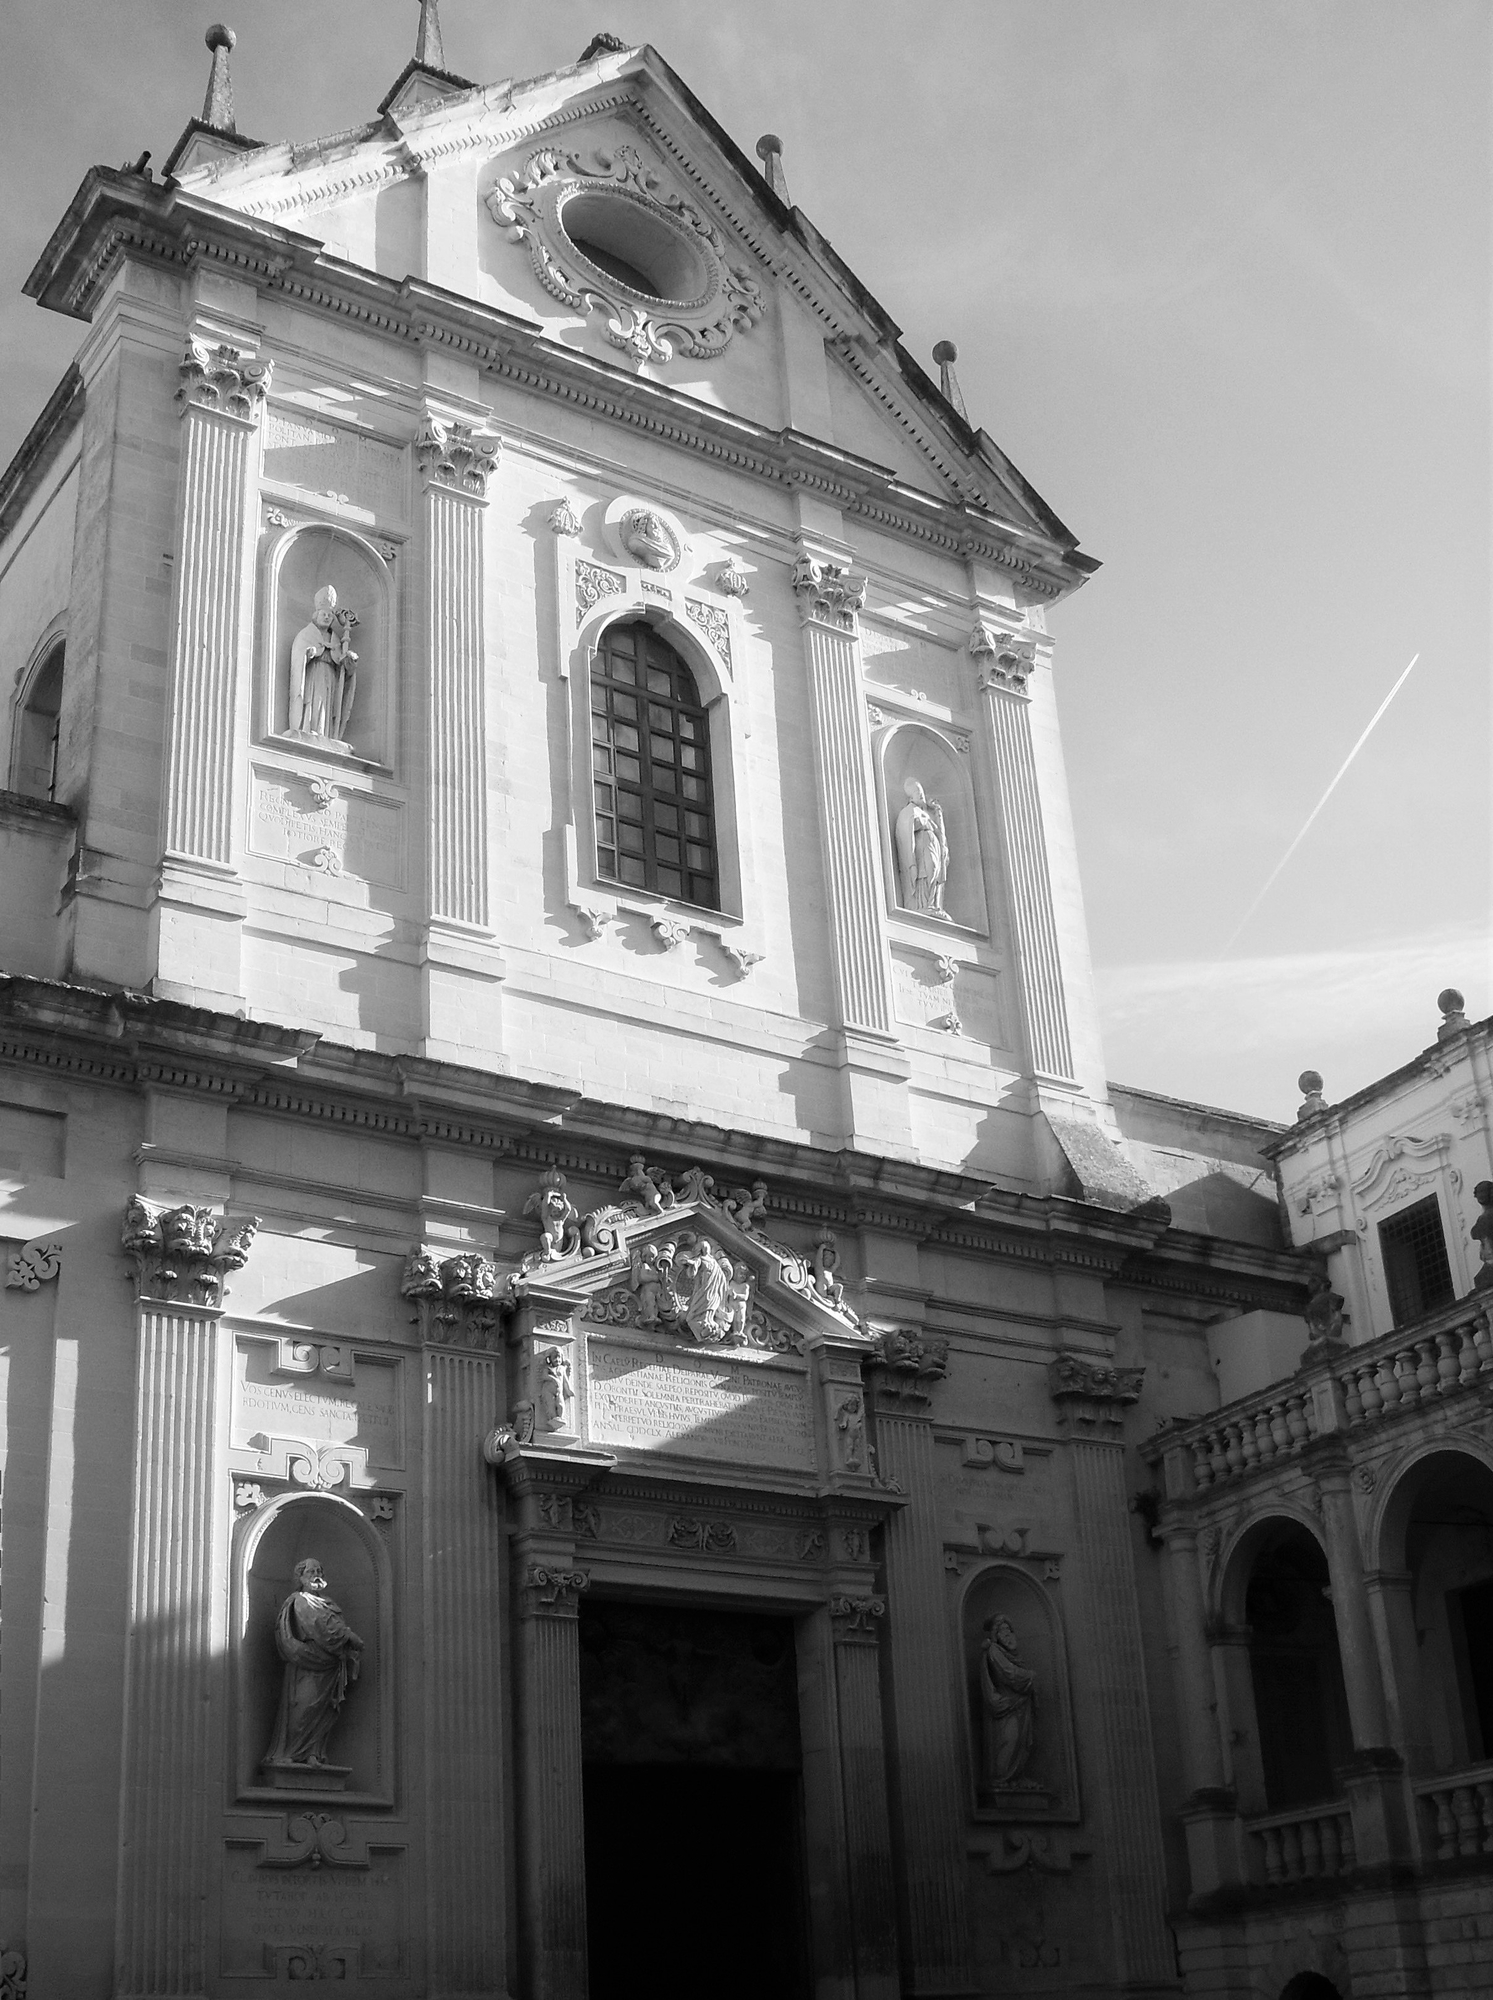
(217, 106)
(428, 45)
(770, 153)
(1453, 1019)
(1310, 1084)
(946, 354)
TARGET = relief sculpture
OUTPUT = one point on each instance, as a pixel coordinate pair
(322, 1657)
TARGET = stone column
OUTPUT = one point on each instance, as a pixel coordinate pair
(872, 1063)
(928, 1789)
(461, 969)
(1210, 1814)
(1006, 665)
(177, 1624)
(466, 1878)
(551, 1831)
(199, 908)
(1091, 1397)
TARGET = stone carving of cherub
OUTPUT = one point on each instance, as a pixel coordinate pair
(826, 1266)
(641, 1187)
(747, 1207)
(649, 1277)
(738, 1301)
(559, 1235)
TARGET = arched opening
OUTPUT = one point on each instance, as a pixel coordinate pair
(922, 780)
(652, 785)
(1296, 1673)
(1309, 1986)
(1438, 1533)
(330, 685)
(33, 763)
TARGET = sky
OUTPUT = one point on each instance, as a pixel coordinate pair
(1219, 276)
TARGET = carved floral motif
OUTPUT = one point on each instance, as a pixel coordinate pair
(670, 933)
(457, 1299)
(223, 378)
(183, 1254)
(555, 1590)
(564, 520)
(456, 457)
(741, 959)
(713, 622)
(733, 577)
(33, 1266)
(593, 583)
(1006, 662)
(855, 1617)
(828, 594)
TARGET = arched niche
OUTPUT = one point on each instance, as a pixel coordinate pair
(306, 559)
(1005, 1604)
(359, 1580)
(914, 753)
(37, 723)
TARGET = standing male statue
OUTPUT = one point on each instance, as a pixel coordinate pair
(923, 852)
(323, 679)
(322, 1656)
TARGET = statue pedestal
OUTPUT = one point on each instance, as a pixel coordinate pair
(307, 1777)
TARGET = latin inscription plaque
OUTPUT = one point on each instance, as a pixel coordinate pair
(363, 1412)
(284, 1925)
(748, 1413)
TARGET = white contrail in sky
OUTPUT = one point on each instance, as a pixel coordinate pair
(1311, 816)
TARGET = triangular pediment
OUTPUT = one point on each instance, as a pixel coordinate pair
(468, 187)
(685, 1265)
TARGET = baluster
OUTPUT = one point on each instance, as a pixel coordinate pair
(1345, 1842)
(1247, 1444)
(1464, 1812)
(1388, 1383)
(1446, 1826)
(1368, 1389)
(1448, 1372)
(1217, 1456)
(1482, 1340)
(1275, 1867)
(1352, 1401)
(1485, 1812)
(1280, 1435)
(1425, 1367)
(1467, 1356)
(1404, 1365)
(1332, 1855)
(1202, 1470)
(1311, 1848)
(1296, 1423)
(1233, 1449)
(1290, 1843)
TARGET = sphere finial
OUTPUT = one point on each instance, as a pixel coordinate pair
(217, 106)
(1453, 1018)
(770, 153)
(1310, 1084)
(946, 354)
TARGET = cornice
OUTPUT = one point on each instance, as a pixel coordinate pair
(116, 215)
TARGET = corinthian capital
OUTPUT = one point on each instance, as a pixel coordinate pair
(183, 1254)
(1005, 661)
(827, 594)
(215, 376)
(456, 457)
(1092, 1395)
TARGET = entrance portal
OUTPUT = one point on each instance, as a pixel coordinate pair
(693, 1802)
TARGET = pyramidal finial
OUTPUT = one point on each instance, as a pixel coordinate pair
(428, 45)
(770, 153)
(217, 106)
(946, 354)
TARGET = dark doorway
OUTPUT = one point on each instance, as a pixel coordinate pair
(694, 1808)
(1474, 1612)
(1310, 1986)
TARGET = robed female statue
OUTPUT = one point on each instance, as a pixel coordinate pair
(1008, 1692)
(322, 1655)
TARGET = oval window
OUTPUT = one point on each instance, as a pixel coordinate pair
(640, 250)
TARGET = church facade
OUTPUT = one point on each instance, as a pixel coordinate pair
(598, 1382)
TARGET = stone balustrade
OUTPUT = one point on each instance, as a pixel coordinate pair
(1459, 1809)
(1310, 1844)
(1445, 1352)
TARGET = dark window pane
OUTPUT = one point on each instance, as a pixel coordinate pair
(637, 816)
(1415, 1261)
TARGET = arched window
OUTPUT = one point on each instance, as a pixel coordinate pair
(33, 763)
(650, 761)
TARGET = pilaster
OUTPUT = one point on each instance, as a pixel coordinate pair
(1210, 1815)
(873, 1067)
(461, 968)
(463, 1575)
(197, 915)
(1006, 664)
(855, 1626)
(1091, 1397)
(927, 1793)
(177, 1622)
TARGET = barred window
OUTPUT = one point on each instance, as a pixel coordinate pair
(1415, 1265)
(650, 762)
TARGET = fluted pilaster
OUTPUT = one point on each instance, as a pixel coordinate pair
(829, 600)
(463, 1692)
(552, 1841)
(171, 1711)
(928, 1796)
(1039, 968)
(867, 1823)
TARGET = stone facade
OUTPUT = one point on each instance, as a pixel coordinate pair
(507, 1361)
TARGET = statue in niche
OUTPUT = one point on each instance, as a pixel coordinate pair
(323, 676)
(1324, 1312)
(1008, 1693)
(922, 852)
(850, 1422)
(322, 1656)
(554, 1390)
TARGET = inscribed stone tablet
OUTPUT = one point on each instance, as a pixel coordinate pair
(746, 1413)
(311, 1408)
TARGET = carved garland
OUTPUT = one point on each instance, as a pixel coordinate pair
(532, 204)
